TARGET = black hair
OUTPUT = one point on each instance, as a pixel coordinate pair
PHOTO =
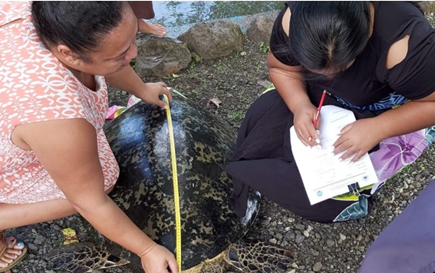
(80, 25)
(328, 34)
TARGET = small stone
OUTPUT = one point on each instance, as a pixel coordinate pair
(39, 240)
(300, 226)
(32, 247)
(330, 243)
(300, 238)
(264, 83)
(317, 266)
(342, 237)
(315, 253)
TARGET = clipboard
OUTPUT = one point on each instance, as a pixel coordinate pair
(323, 174)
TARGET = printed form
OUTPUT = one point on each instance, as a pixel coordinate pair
(323, 174)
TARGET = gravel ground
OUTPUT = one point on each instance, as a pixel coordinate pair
(237, 81)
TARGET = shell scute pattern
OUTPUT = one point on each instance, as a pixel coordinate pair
(140, 141)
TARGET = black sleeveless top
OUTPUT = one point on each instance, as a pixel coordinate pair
(367, 84)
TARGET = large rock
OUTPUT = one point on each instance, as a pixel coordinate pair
(214, 39)
(160, 56)
(260, 29)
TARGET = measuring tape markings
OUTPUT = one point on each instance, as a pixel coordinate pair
(175, 185)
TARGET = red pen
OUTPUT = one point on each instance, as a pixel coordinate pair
(316, 119)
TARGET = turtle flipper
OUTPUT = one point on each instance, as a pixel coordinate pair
(258, 257)
(82, 257)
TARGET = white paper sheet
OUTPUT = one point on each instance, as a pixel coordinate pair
(323, 174)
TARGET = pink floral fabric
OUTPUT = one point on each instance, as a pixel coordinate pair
(35, 87)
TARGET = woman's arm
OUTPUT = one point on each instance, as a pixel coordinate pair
(290, 84)
(410, 117)
(414, 115)
(129, 81)
(68, 151)
(288, 80)
(362, 135)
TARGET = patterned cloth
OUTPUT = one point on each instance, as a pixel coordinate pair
(393, 154)
(35, 86)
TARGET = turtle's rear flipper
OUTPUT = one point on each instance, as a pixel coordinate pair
(258, 257)
(82, 257)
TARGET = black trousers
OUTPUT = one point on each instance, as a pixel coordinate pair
(263, 160)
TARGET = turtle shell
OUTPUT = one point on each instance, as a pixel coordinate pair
(139, 138)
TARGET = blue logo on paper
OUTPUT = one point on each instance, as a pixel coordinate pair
(319, 193)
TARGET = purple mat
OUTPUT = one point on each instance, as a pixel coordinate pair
(407, 245)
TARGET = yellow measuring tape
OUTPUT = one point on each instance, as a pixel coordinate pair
(175, 185)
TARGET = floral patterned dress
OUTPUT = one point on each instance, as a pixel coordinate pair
(35, 87)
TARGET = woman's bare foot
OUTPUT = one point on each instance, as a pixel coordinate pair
(11, 251)
(155, 29)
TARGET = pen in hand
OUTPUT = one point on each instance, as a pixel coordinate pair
(316, 118)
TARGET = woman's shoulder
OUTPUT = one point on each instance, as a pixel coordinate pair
(285, 16)
(401, 28)
(395, 19)
(279, 39)
(407, 47)
(10, 11)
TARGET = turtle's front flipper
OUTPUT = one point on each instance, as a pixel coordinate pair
(82, 257)
(258, 257)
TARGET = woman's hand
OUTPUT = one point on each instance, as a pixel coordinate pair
(152, 91)
(158, 259)
(357, 138)
(304, 127)
(129, 81)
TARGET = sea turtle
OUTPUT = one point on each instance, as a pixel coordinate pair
(211, 231)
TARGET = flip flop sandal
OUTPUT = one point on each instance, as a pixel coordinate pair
(3, 250)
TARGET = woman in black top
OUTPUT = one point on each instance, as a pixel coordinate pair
(371, 57)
